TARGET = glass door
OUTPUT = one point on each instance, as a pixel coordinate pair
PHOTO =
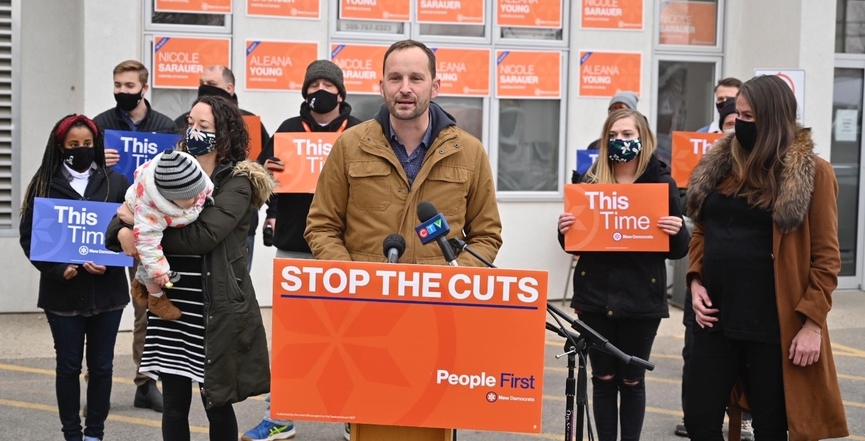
(846, 158)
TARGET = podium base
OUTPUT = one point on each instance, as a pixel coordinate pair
(370, 432)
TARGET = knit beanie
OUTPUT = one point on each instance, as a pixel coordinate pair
(625, 97)
(728, 108)
(323, 70)
(178, 176)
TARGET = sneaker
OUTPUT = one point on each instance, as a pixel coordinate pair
(682, 431)
(347, 433)
(747, 431)
(267, 431)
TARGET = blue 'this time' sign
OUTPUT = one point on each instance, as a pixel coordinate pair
(73, 231)
(136, 148)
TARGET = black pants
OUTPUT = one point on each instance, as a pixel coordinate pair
(716, 363)
(633, 337)
(176, 399)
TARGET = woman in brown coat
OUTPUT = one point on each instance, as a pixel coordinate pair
(764, 264)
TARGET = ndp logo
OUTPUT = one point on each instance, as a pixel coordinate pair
(83, 250)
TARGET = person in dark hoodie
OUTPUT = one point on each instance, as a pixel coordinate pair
(623, 295)
(219, 80)
(134, 114)
(324, 109)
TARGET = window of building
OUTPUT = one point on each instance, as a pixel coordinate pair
(9, 99)
(690, 25)
(184, 22)
(532, 21)
(529, 140)
(850, 27)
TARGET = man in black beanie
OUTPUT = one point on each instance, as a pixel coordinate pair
(323, 110)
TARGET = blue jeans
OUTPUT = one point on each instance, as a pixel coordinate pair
(70, 333)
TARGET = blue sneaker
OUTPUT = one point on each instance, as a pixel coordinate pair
(267, 431)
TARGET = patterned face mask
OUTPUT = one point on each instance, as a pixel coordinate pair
(199, 142)
(621, 150)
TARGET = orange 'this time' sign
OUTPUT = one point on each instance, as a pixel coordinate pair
(451, 11)
(278, 65)
(376, 10)
(194, 6)
(688, 23)
(408, 345)
(179, 61)
(529, 13)
(617, 217)
(463, 72)
(688, 149)
(528, 74)
(360, 66)
(603, 74)
(303, 154)
(284, 9)
(612, 14)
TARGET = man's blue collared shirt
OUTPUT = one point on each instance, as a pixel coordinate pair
(411, 163)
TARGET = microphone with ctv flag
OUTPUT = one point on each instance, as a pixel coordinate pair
(394, 246)
(434, 227)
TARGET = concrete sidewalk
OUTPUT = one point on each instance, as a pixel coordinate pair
(28, 404)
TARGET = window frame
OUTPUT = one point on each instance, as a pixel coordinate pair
(15, 166)
(158, 28)
(493, 147)
(489, 11)
(718, 48)
(523, 43)
(366, 37)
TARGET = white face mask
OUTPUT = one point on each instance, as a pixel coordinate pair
(730, 131)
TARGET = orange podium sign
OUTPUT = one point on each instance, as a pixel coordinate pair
(612, 14)
(463, 72)
(253, 128)
(360, 66)
(408, 345)
(303, 154)
(179, 61)
(617, 217)
(688, 149)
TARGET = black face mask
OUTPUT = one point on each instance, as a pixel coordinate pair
(322, 101)
(746, 134)
(128, 101)
(720, 105)
(79, 159)
(208, 90)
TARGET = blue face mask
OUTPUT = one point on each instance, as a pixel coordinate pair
(199, 142)
(621, 151)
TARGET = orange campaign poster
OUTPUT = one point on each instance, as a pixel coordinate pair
(612, 14)
(408, 345)
(375, 10)
(303, 154)
(688, 23)
(617, 217)
(603, 74)
(528, 74)
(361, 66)
(451, 11)
(278, 65)
(284, 9)
(463, 72)
(688, 149)
(529, 13)
(179, 61)
(253, 128)
(193, 6)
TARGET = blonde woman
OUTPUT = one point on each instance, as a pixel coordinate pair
(623, 295)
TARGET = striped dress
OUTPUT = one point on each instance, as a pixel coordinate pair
(177, 347)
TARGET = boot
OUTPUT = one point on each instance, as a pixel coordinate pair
(139, 293)
(163, 308)
(147, 396)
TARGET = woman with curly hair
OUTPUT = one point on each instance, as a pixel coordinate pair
(81, 302)
(219, 340)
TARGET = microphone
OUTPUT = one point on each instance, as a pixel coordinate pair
(434, 227)
(394, 246)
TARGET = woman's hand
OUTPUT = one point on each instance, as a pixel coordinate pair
(125, 214)
(702, 304)
(70, 272)
(565, 222)
(127, 241)
(805, 349)
(93, 268)
(670, 224)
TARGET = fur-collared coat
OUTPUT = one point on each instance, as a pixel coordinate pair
(807, 262)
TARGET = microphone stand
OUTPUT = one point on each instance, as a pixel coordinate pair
(576, 344)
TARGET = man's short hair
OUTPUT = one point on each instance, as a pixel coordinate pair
(227, 74)
(729, 82)
(408, 44)
(133, 66)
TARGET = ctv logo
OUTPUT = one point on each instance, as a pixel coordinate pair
(431, 229)
(434, 227)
